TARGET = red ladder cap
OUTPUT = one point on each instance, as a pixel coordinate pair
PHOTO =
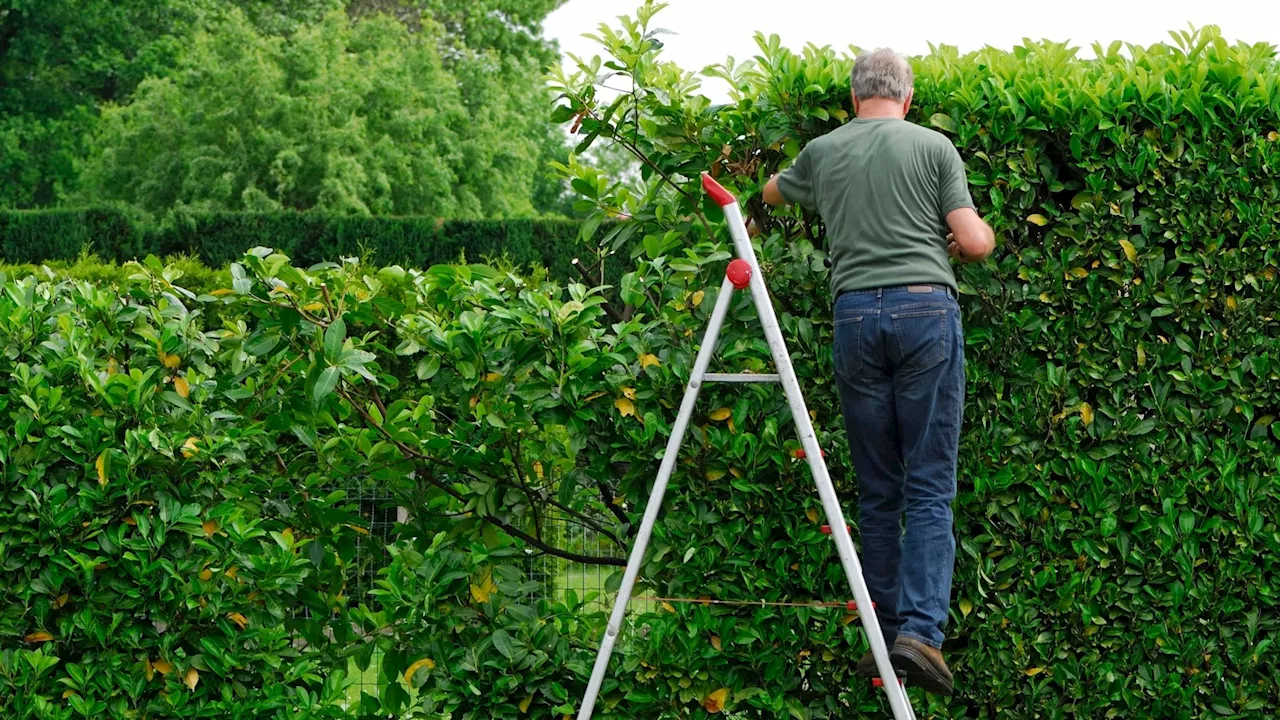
(717, 192)
(739, 273)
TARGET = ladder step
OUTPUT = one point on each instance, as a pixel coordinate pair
(743, 377)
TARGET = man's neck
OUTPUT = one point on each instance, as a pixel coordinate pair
(877, 109)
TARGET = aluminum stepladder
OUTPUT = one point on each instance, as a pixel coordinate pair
(744, 273)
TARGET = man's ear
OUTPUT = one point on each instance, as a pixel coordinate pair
(854, 95)
(906, 105)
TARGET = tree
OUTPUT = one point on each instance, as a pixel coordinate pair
(61, 59)
(347, 116)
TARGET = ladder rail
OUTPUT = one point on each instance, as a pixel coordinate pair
(636, 558)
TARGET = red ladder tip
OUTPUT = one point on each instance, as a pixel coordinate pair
(879, 682)
(801, 454)
(826, 529)
(717, 192)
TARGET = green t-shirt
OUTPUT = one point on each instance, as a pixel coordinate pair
(883, 188)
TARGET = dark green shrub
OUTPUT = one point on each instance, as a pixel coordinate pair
(1118, 504)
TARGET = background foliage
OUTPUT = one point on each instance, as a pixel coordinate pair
(220, 238)
(438, 108)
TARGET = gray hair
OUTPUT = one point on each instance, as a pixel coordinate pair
(882, 74)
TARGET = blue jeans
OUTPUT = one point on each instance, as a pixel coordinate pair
(899, 360)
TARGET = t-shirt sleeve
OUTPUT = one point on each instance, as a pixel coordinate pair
(796, 182)
(953, 182)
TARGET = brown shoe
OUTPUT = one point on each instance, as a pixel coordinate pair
(921, 665)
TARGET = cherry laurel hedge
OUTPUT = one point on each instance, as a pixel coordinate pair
(1117, 514)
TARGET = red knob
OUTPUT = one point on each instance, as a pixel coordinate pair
(739, 273)
(851, 606)
(826, 529)
(801, 454)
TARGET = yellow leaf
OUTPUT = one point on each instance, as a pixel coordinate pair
(38, 637)
(1044, 298)
(619, 500)
(812, 514)
(1034, 671)
(714, 703)
(1086, 413)
(1129, 251)
(593, 396)
(1269, 273)
(848, 619)
(170, 361)
(482, 592)
(625, 407)
(181, 387)
(164, 667)
(1038, 219)
(1273, 136)
(191, 679)
(732, 429)
(62, 600)
(1231, 302)
(715, 474)
(313, 307)
(721, 414)
(101, 464)
(148, 669)
(206, 574)
(1142, 356)
(492, 377)
(67, 693)
(537, 470)
(715, 642)
(524, 704)
(668, 607)
(222, 291)
(357, 528)
(189, 448)
(735, 472)
(697, 298)
(210, 527)
(427, 663)
(966, 607)
(648, 359)
(231, 572)
(1079, 273)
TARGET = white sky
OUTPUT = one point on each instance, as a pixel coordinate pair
(710, 30)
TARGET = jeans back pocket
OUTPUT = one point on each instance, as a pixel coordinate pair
(922, 337)
(847, 346)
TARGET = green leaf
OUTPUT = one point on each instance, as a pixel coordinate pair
(334, 336)
(943, 122)
(327, 381)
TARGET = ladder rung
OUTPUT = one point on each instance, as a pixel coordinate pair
(742, 377)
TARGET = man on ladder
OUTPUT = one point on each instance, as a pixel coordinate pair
(895, 201)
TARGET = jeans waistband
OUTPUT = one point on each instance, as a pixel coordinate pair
(905, 288)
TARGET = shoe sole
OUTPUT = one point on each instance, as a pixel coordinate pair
(916, 669)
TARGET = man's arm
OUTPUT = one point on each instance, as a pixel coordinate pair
(772, 195)
(971, 239)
